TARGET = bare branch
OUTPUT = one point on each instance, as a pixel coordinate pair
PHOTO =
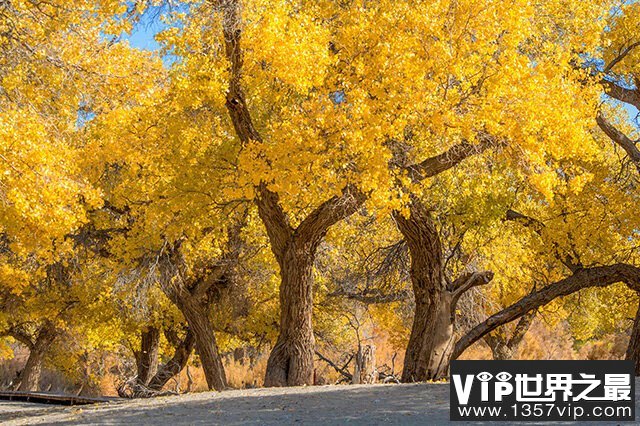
(621, 139)
(342, 371)
(468, 281)
(371, 297)
(621, 56)
(435, 165)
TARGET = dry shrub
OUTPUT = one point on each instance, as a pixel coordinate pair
(244, 373)
(478, 350)
(610, 346)
(544, 341)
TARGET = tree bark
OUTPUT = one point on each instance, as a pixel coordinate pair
(29, 380)
(364, 370)
(633, 350)
(147, 357)
(597, 276)
(431, 341)
(195, 290)
(621, 139)
(175, 365)
(292, 358)
(199, 320)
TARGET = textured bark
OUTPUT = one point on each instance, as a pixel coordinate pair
(622, 94)
(431, 341)
(291, 361)
(29, 379)
(175, 365)
(599, 276)
(147, 357)
(621, 139)
(365, 366)
(194, 291)
(437, 164)
(292, 358)
(633, 350)
(199, 320)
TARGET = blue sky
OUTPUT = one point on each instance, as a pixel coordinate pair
(143, 32)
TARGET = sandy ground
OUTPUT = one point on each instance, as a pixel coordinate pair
(424, 404)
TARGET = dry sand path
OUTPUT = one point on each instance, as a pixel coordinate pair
(417, 404)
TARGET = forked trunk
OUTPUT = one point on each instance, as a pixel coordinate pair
(633, 350)
(291, 360)
(499, 349)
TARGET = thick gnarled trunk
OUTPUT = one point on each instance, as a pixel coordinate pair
(29, 379)
(291, 360)
(431, 342)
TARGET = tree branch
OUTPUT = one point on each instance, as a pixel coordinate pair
(621, 139)
(566, 259)
(315, 225)
(21, 337)
(621, 56)
(599, 276)
(467, 281)
(275, 220)
(622, 94)
(435, 165)
(342, 371)
(521, 329)
(372, 297)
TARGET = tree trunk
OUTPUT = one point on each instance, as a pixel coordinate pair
(291, 360)
(633, 350)
(500, 349)
(364, 370)
(29, 379)
(199, 321)
(431, 340)
(147, 357)
(175, 365)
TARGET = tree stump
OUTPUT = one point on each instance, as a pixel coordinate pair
(365, 367)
